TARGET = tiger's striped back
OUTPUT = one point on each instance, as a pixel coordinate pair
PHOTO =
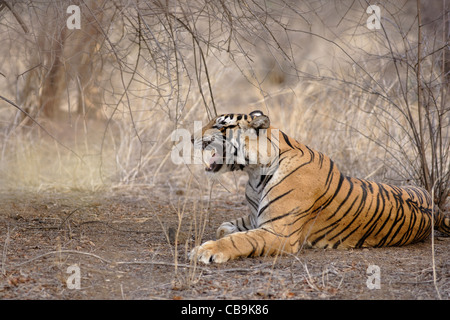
(353, 213)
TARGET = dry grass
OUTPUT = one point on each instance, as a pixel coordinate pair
(117, 242)
(333, 88)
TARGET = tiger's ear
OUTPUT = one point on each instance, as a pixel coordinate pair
(260, 122)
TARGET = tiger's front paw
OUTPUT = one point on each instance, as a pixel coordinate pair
(209, 252)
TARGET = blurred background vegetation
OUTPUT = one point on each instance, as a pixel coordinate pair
(94, 108)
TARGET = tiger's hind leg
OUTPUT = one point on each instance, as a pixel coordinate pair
(241, 224)
(442, 223)
(256, 242)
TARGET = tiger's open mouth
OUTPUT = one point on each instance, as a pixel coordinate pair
(214, 162)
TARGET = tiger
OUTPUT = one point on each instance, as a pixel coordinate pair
(298, 198)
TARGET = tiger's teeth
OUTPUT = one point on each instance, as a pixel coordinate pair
(208, 163)
(208, 166)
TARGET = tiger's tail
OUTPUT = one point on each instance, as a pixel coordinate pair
(441, 222)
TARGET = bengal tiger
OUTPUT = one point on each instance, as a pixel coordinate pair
(299, 198)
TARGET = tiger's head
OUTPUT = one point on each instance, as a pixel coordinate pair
(232, 142)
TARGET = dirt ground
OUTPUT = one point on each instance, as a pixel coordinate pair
(119, 245)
